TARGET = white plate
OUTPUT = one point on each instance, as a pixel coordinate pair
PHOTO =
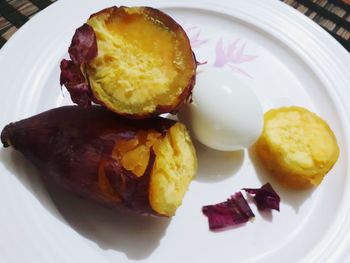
(289, 59)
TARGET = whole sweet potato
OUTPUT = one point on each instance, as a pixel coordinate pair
(145, 165)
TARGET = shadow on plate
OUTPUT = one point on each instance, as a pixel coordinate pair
(28, 175)
(293, 198)
(117, 229)
(216, 165)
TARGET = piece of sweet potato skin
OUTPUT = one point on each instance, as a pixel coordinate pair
(82, 151)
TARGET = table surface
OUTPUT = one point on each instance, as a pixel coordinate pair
(332, 15)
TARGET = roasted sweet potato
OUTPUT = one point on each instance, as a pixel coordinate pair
(137, 62)
(297, 147)
(145, 165)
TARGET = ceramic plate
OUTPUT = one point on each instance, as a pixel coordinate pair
(285, 57)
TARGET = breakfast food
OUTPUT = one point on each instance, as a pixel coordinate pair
(226, 114)
(297, 147)
(145, 165)
(136, 61)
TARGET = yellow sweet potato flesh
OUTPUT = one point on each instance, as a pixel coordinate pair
(141, 64)
(134, 154)
(174, 169)
(297, 146)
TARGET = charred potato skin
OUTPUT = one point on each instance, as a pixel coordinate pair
(73, 161)
(183, 98)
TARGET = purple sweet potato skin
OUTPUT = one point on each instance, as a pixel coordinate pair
(84, 45)
(69, 144)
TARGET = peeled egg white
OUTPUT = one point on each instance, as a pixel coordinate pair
(225, 113)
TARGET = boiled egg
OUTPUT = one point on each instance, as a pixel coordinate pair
(225, 114)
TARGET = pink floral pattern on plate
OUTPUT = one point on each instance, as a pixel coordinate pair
(194, 37)
(232, 55)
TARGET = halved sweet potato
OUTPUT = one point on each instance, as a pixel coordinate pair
(144, 65)
(146, 165)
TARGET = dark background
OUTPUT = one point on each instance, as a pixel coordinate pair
(332, 15)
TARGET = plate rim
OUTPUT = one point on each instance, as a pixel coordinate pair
(329, 50)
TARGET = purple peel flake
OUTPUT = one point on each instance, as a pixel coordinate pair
(84, 45)
(242, 204)
(75, 82)
(82, 49)
(234, 211)
(265, 197)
